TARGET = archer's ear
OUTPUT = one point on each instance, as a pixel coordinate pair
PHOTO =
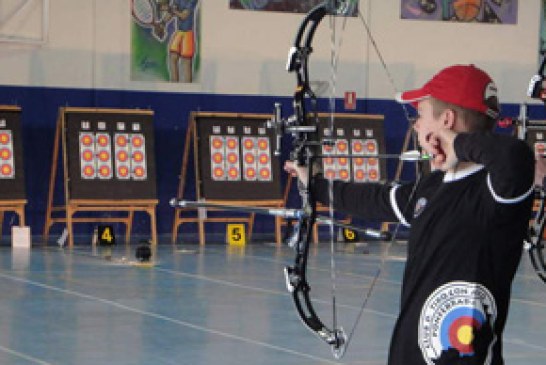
(449, 118)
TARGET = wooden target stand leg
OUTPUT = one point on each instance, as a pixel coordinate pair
(16, 206)
(73, 206)
(179, 219)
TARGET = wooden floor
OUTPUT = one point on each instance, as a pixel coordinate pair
(213, 305)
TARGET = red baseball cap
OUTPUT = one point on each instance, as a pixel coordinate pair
(463, 85)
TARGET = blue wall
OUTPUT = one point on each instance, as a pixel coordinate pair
(39, 115)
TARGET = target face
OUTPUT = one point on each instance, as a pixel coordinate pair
(257, 157)
(225, 157)
(250, 163)
(97, 161)
(337, 168)
(122, 151)
(137, 150)
(218, 153)
(365, 168)
(5, 137)
(88, 161)
(7, 163)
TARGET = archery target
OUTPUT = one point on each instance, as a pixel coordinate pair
(225, 158)
(250, 162)
(231, 159)
(7, 162)
(103, 151)
(88, 164)
(264, 159)
(335, 166)
(138, 156)
(122, 153)
(104, 156)
(328, 163)
(372, 164)
(342, 163)
(233, 168)
(218, 158)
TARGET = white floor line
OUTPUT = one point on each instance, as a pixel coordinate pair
(166, 319)
(23, 356)
(267, 291)
(515, 341)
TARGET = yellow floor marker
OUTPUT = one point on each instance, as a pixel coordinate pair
(236, 234)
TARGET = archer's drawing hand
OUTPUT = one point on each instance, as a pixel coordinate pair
(300, 172)
(439, 145)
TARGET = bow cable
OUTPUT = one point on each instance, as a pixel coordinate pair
(334, 58)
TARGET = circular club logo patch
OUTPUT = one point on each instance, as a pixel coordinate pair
(451, 316)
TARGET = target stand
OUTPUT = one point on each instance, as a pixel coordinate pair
(12, 181)
(108, 166)
(234, 165)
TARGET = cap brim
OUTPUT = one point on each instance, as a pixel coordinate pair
(411, 96)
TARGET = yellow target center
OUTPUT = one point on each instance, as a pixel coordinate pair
(465, 334)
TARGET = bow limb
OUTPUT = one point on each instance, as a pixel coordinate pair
(298, 286)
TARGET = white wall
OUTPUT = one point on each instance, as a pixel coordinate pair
(245, 52)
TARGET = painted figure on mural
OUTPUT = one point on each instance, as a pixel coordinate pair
(182, 43)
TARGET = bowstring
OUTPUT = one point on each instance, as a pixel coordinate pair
(335, 48)
(409, 119)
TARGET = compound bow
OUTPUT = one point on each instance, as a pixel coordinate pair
(305, 147)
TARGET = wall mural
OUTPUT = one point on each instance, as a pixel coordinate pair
(165, 40)
(479, 11)
(291, 6)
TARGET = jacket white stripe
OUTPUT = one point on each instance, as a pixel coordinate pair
(500, 199)
(395, 207)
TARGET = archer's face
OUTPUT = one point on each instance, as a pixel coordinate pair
(426, 125)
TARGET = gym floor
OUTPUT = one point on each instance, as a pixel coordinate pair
(215, 305)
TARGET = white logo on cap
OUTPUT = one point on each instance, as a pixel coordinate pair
(490, 90)
(491, 100)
